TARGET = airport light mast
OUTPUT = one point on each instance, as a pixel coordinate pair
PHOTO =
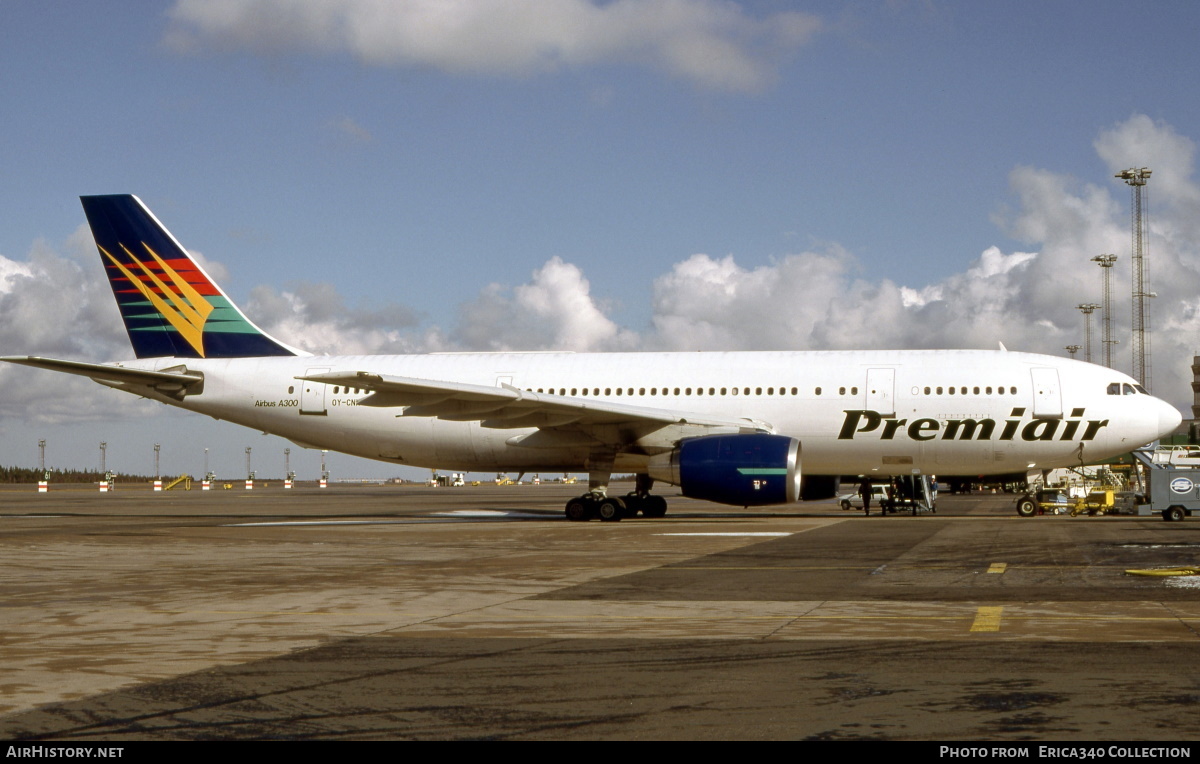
(1136, 179)
(1106, 262)
(1087, 308)
(1073, 349)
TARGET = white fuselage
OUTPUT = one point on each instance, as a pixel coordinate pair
(881, 412)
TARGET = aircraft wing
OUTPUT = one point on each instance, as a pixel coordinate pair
(560, 420)
(167, 382)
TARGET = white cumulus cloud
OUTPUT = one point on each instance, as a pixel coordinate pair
(554, 311)
(713, 43)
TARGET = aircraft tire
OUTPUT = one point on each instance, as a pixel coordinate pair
(655, 506)
(579, 510)
(1026, 507)
(611, 510)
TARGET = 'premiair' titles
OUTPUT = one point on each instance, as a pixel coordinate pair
(863, 421)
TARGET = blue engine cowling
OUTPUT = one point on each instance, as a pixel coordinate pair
(744, 470)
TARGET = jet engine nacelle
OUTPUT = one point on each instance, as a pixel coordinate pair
(744, 470)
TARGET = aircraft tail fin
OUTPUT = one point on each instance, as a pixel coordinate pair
(169, 304)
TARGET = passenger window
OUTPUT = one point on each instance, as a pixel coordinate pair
(291, 389)
(989, 390)
(939, 391)
(927, 391)
(854, 391)
(818, 391)
(1000, 390)
(723, 391)
(735, 391)
(608, 391)
(770, 391)
(841, 391)
(976, 391)
(793, 391)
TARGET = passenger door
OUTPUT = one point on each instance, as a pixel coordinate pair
(312, 394)
(1047, 395)
(881, 391)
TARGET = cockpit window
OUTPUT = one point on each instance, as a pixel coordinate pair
(1127, 389)
(1114, 388)
(1141, 389)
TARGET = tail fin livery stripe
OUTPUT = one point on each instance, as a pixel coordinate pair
(180, 304)
(168, 303)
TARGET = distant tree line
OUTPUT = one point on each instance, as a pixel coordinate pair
(33, 475)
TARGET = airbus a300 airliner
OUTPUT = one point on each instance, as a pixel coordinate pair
(740, 428)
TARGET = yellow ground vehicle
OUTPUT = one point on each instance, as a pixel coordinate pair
(1055, 501)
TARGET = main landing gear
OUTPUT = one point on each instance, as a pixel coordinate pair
(597, 504)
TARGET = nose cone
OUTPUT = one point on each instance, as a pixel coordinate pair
(1169, 418)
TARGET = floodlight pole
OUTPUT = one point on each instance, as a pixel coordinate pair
(1106, 262)
(1136, 179)
(1087, 309)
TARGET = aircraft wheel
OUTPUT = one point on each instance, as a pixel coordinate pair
(579, 510)
(634, 504)
(656, 506)
(1026, 507)
(610, 510)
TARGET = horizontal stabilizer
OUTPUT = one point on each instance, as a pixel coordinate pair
(167, 382)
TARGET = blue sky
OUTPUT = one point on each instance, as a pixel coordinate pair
(688, 174)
